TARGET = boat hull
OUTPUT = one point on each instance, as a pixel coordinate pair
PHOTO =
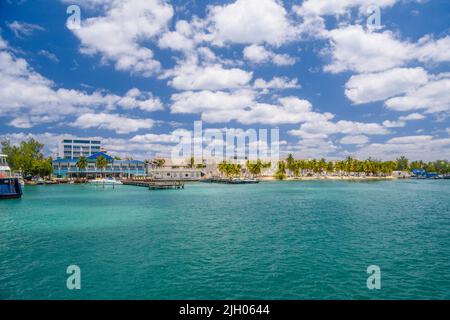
(10, 188)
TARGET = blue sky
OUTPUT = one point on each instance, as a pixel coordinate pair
(138, 73)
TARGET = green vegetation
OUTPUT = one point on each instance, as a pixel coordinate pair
(281, 172)
(27, 158)
(351, 166)
(101, 163)
(255, 168)
(82, 164)
(229, 169)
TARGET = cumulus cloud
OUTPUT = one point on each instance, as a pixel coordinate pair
(259, 54)
(32, 99)
(117, 35)
(114, 122)
(433, 97)
(23, 29)
(356, 139)
(250, 22)
(354, 49)
(370, 87)
(276, 83)
(425, 147)
(340, 7)
(213, 77)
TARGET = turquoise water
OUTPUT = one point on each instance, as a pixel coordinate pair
(274, 240)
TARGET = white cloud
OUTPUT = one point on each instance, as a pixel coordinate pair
(142, 100)
(118, 34)
(428, 49)
(114, 122)
(215, 106)
(49, 55)
(357, 139)
(401, 122)
(370, 87)
(394, 124)
(23, 29)
(241, 106)
(30, 99)
(214, 77)
(424, 147)
(323, 129)
(340, 7)
(137, 147)
(276, 83)
(412, 117)
(259, 54)
(250, 22)
(432, 97)
(354, 49)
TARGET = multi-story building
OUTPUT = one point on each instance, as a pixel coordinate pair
(69, 168)
(75, 148)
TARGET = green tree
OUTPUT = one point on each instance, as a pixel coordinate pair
(281, 172)
(402, 163)
(26, 157)
(81, 164)
(101, 163)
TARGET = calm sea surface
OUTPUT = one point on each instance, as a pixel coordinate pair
(274, 240)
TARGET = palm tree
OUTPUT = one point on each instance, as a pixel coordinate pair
(81, 164)
(290, 163)
(255, 168)
(281, 172)
(101, 163)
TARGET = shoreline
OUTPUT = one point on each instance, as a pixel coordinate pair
(338, 178)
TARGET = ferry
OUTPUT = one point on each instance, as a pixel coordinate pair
(10, 187)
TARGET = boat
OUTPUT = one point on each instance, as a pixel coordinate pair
(105, 181)
(10, 187)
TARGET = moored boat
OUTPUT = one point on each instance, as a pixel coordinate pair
(10, 187)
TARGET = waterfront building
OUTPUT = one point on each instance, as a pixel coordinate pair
(166, 170)
(76, 147)
(67, 168)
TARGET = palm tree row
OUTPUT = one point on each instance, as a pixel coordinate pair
(229, 169)
(344, 167)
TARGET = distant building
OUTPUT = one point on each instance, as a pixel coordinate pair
(75, 148)
(170, 171)
(67, 168)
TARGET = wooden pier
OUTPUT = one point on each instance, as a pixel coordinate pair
(155, 184)
(161, 185)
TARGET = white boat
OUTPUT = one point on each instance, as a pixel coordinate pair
(105, 181)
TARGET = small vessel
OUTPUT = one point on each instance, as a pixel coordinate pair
(10, 187)
(105, 181)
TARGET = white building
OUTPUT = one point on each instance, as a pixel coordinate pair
(75, 148)
(170, 171)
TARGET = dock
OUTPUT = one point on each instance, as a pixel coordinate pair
(231, 181)
(161, 185)
(155, 184)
